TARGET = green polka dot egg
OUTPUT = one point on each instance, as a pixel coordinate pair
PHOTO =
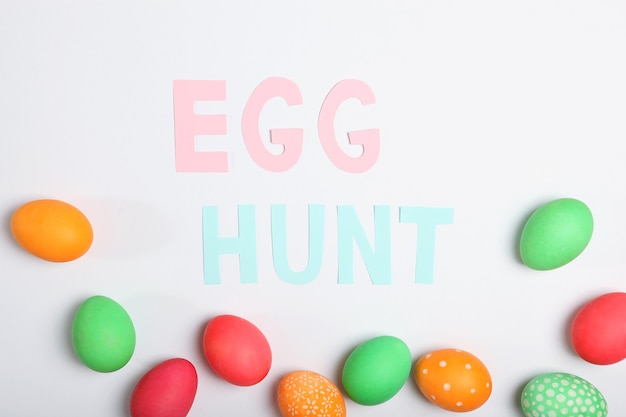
(562, 395)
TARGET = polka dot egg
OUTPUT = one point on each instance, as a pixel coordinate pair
(561, 394)
(453, 379)
(306, 393)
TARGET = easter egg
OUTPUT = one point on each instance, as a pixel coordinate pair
(376, 370)
(562, 394)
(236, 350)
(52, 230)
(453, 379)
(598, 331)
(103, 334)
(167, 390)
(307, 393)
(555, 234)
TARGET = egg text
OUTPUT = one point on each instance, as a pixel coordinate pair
(188, 125)
(350, 233)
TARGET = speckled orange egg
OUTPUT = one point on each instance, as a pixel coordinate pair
(52, 230)
(306, 393)
(453, 379)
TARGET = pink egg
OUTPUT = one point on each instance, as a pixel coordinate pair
(167, 390)
(598, 331)
(237, 350)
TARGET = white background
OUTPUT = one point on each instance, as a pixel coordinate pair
(488, 107)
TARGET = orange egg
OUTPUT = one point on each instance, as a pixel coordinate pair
(453, 379)
(52, 230)
(306, 393)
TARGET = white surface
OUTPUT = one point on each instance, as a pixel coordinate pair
(488, 107)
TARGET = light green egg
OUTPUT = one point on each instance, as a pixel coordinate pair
(562, 394)
(103, 334)
(555, 234)
(376, 370)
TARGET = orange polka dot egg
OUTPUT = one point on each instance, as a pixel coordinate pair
(307, 393)
(453, 379)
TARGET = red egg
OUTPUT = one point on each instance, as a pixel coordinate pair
(598, 331)
(237, 350)
(167, 390)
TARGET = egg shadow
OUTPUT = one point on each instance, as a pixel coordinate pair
(272, 395)
(567, 328)
(68, 326)
(126, 228)
(8, 234)
(567, 332)
(415, 389)
(515, 247)
(516, 395)
(199, 348)
(128, 390)
(338, 374)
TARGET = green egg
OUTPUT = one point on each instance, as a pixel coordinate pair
(103, 334)
(376, 370)
(555, 234)
(562, 394)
